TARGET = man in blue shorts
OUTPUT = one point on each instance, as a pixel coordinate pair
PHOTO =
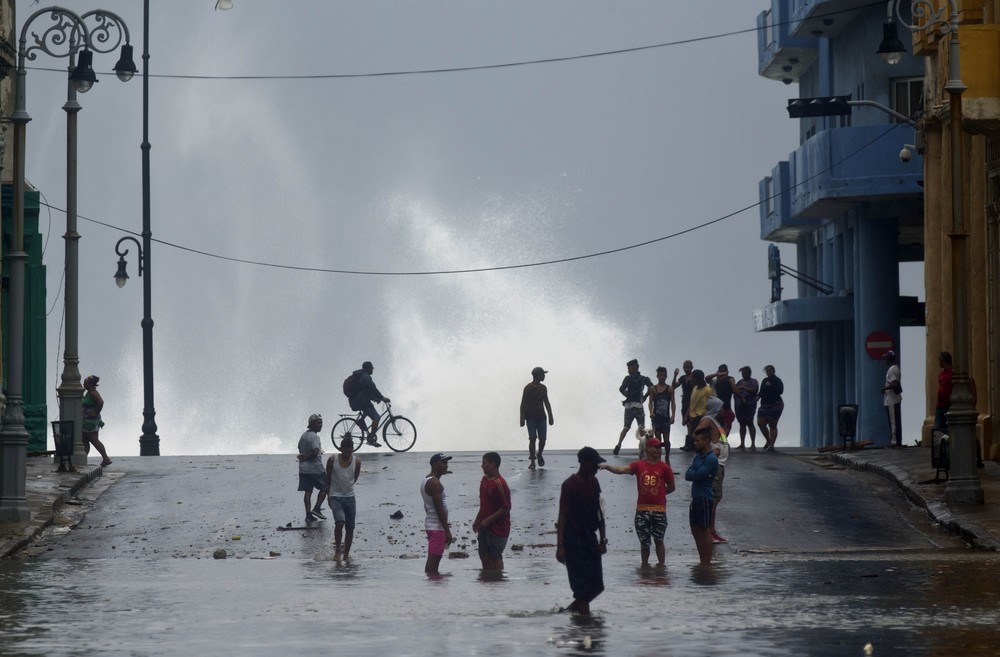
(701, 474)
(342, 472)
(311, 473)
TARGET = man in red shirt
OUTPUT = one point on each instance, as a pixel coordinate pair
(493, 521)
(654, 481)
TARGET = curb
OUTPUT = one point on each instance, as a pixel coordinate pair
(970, 532)
(43, 518)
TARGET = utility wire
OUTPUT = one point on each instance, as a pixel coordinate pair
(476, 270)
(481, 67)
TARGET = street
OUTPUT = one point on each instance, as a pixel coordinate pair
(820, 561)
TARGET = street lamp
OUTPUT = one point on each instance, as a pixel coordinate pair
(149, 442)
(105, 32)
(67, 35)
(963, 486)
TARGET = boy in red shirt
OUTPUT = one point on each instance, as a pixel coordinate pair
(654, 480)
(492, 524)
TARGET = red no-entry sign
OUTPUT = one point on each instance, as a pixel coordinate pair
(877, 344)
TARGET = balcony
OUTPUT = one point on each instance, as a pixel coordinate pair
(803, 314)
(834, 170)
(823, 18)
(781, 56)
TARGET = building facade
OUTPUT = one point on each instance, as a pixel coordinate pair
(848, 202)
(844, 194)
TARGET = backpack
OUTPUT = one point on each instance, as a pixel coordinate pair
(351, 384)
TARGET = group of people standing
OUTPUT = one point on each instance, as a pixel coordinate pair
(742, 400)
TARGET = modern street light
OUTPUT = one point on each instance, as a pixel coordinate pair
(963, 486)
(64, 38)
(106, 32)
(149, 442)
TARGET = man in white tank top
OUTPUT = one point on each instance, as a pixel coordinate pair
(342, 471)
(436, 523)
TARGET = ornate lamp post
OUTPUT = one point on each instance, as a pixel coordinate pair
(106, 32)
(964, 486)
(64, 38)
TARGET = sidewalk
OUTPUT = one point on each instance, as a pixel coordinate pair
(45, 490)
(910, 469)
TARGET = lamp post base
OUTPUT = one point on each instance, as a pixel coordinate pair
(149, 445)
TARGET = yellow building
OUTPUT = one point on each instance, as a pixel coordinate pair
(979, 38)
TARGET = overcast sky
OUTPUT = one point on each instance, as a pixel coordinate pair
(417, 173)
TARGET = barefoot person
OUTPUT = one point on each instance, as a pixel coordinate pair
(436, 524)
(771, 406)
(492, 523)
(580, 516)
(342, 472)
(701, 473)
(92, 405)
(662, 408)
(654, 480)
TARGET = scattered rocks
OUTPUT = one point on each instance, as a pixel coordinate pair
(219, 554)
(458, 554)
(397, 516)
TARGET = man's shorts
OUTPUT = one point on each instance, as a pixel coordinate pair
(727, 419)
(490, 545)
(700, 512)
(720, 474)
(650, 526)
(536, 429)
(307, 482)
(435, 542)
(637, 414)
(345, 510)
(770, 411)
(660, 423)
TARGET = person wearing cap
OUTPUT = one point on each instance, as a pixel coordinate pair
(492, 523)
(892, 397)
(92, 423)
(635, 388)
(312, 474)
(577, 546)
(365, 394)
(701, 474)
(654, 481)
(771, 406)
(534, 407)
(746, 406)
(724, 387)
(436, 523)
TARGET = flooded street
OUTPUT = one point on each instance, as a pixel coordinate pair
(137, 577)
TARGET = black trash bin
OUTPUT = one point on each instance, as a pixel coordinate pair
(847, 422)
(62, 433)
(940, 453)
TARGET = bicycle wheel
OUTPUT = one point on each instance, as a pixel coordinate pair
(347, 426)
(399, 434)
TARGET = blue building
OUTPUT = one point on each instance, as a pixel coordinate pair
(846, 200)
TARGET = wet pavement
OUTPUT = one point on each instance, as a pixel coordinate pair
(821, 560)
(909, 468)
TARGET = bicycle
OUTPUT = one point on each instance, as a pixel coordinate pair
(398, 433)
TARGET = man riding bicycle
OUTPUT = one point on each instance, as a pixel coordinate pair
(364, 394)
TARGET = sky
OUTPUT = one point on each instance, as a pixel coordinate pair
(397, 174)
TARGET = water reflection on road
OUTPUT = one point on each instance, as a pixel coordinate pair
(920, 603)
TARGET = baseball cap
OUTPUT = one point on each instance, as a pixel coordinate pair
(538, 370)
(589, 455)
(653, 442)
(314, 417)
(439, 457)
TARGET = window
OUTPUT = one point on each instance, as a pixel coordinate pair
(769, 191)
(768, 29)
(908, 96)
